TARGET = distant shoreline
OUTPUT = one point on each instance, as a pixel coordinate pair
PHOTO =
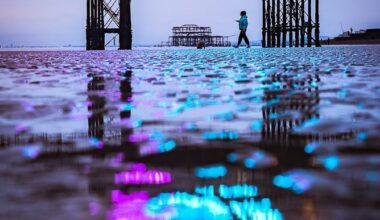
(352, 42)
(52, 49)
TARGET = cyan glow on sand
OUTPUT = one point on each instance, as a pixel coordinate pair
(297, 180)
(211, 172)
(228, 192)
(252, 209)
(182, 205)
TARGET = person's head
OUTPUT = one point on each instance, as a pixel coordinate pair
(243, 13)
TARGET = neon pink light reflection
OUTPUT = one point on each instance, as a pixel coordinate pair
(141, 177)
(139, 137)
(128, 207)
(136, 166)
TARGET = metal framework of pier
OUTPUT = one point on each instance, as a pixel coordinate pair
(290, 22)
(108, 17)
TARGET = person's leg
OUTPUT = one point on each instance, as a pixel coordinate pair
(240, 38)
(246, 40)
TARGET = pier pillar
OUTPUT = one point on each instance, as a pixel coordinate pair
(285, 23)
(278, 23)
(108, 17)
(291, 8)
(302, 23)
(268, 20)
(264, 29)
(125, 25)
(273, 19)
(317, 43)
(309, 24)
(297, 26)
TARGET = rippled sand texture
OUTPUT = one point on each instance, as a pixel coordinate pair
(191, 134)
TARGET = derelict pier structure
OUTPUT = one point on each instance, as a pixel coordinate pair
(285, 22)
(108, 17)
(190, 35)
(290, 22)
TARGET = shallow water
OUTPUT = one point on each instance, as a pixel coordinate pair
(191, 134)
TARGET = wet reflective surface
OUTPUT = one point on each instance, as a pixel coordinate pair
(191, 134)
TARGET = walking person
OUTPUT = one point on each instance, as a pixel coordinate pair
(243, 25)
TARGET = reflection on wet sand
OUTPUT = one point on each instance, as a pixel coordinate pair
(96, 108)
(291, 101)
(126, 99)
(183, 134)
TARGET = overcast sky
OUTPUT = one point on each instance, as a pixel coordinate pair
(62, 22)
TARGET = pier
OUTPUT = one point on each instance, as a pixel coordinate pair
(293, 23)
(108, 17)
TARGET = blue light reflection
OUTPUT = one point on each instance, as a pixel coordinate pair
(182, 205)
(229, 192)
(257, 126)
(32, 151)
(298, 181)
(211, 172)
(311, 147)
(330, 162)
(362, 136)
(258, 210)
(237, 191)
(224, 135)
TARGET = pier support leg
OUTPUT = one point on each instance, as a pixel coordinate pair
(125, 25)
(317, 43)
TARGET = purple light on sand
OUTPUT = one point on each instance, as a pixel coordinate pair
(139, 137)
(137, 166)
(95, 142)
(126, 122)
(94, 208)
(128, 207)
(32, 151)
(118, 197)
(117, 160)
(159, 114)
(28, 107)
(140, 177)
(154, 147)
(129, 123)
(149, 148)
(21, 128)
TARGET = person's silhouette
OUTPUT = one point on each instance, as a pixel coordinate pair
(243, 25)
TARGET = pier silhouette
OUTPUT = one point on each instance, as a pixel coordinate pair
(281, 20)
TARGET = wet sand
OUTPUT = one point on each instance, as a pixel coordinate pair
(191, 134)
